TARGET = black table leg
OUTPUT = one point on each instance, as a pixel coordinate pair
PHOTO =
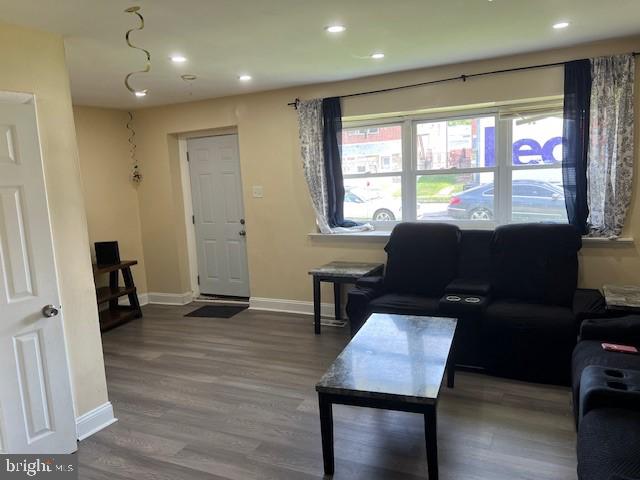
(326, 430)
(316, 305)
(431, 437)
(451, 367)
(337, 297)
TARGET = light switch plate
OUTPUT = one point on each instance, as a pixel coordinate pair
(258, 191)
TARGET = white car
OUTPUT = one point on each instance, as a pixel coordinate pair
(367, 205)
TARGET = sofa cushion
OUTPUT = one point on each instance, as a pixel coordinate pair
(469, 287)
(528, 341)
(609, 444)
(516, 314)
(535, 262)
(422, 258)
(622, 329)
(475, 258)
(405, 304)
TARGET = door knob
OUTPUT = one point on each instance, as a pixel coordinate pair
(242, 233)
(50, 311)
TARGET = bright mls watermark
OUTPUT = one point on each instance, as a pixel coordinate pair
(51, 467)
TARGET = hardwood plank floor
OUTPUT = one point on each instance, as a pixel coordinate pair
(234, 399)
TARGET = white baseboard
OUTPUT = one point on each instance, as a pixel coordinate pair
(143, 298)
(290, 306)
(170, 298)
(94, 421)
(160, 299)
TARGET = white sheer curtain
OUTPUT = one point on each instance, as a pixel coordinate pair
(610, 159)
(312, 151)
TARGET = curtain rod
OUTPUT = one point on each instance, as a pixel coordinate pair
(463, 77)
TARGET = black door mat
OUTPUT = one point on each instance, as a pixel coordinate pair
(217, 311)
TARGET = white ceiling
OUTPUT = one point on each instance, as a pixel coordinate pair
(283, 43)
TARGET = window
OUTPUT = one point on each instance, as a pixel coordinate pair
(372, 169)
(455, 169)
(476, 169)
(536, 172)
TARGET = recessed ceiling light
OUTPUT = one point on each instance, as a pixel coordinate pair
(244, 78)
(141, 93)
(178, 59)
(335, 28)
(377, 55)
(560, 25)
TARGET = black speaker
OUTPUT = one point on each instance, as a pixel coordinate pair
(107, 253)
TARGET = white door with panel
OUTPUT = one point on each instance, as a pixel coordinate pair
(216, 189)
(36, 409)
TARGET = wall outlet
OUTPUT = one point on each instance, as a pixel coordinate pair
(258, 191)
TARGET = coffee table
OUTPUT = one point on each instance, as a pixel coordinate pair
(338, 273)
(395, 362)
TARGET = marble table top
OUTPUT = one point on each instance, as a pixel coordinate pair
(393, 357)
(346, 269)
(622, 297)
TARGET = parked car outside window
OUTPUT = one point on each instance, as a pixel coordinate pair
(531, 201)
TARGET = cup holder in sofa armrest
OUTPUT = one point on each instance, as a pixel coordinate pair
(460, 304)
(609, 387)
(618, 385)
(472, 300)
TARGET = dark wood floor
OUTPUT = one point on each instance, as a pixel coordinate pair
(234, 399)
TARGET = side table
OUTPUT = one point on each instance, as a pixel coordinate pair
(117, 314)
(338, 273)
(624, 298)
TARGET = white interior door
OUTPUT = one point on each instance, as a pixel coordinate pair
(36, 410)
(216, 188)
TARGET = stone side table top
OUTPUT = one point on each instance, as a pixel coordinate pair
(622, 297)
(346, 269)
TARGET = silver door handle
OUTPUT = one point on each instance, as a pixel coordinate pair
(50, 311)
(242, 233)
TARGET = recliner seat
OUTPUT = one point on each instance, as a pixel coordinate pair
(531, 326)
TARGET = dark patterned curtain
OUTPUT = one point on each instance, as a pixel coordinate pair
(577, 99)
(332, 143)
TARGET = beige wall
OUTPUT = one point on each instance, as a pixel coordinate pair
(279, 249)
(111, 199)
(34, 62)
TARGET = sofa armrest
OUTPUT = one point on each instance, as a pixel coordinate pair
(374, 282)
(589, 303)
(469, 287)
(366, 289)
(617, 330)
(608, 387)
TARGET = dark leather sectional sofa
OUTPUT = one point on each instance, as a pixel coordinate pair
(525, 312)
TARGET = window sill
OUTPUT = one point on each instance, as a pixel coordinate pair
(383, 236)
(606, 242)
(370, 236)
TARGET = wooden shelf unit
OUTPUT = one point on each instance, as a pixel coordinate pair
(117, 314)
